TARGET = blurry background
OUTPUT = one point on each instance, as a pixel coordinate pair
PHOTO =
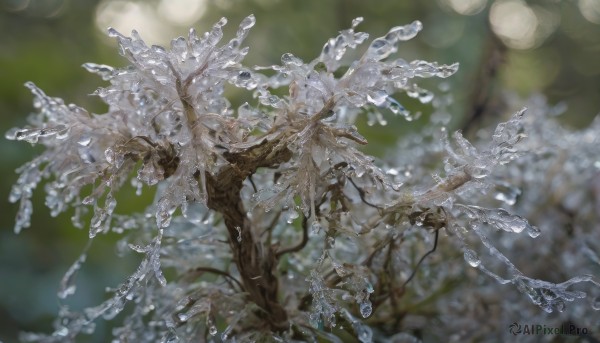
(547, 46)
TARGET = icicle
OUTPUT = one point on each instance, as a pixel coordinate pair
(67, 284)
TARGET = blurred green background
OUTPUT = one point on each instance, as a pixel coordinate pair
(547, 46)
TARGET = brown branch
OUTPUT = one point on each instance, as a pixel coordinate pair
(255, 261)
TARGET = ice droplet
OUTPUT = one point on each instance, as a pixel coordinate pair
(366, 308)
(63, 332)
(289, 59)
(425, 97)
(315, 320)
(507, 193)
(212, 330)
(369, 288)
(194, 212)
(109, 153)
(84, 140)
(548, 294)
(364, 333)
(396, 108)
(596, 303)
(378, 97)
(533, 231)
(472, 258)
(163, 218)
(315, 227)
(560, 306)
(330, 242)
(292, 215)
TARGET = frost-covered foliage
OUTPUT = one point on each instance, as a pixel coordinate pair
(289, 232)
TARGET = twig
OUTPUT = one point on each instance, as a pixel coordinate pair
(220, 272)
(300, 245)
(435, 241)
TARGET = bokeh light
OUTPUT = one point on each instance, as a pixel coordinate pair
(182, 12)
(466, 7)
(515, 23)
(157, 22)
(590, 9)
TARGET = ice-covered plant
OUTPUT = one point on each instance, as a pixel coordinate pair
(288, 231)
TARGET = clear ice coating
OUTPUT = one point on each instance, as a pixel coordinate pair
(337, 230)
(384, 46)
(500, 219)
(67, 284)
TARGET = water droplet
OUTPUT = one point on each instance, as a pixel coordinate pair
(378, 98)
(397, 186)
(84, 140)
(315, 227)
(292, 215)
(212, 330)
(138, 248)
(472, 258)
(507, 193)
(109, 153)
(289, 59)
(315, 320)
(194, 212)
(533, 231)
(560, 306)
(396, 108)
(548, 294)
(63, 332)
(364, 333)
(596, 303)
(330, 242)
(425, 96)
(369, 288)
(163, 218)
(366, 308)
(183, 317)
